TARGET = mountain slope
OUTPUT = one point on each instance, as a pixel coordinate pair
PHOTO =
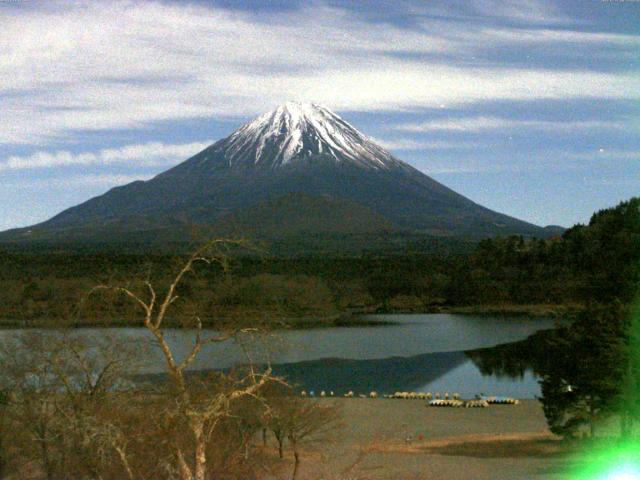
(298, 213)
(294, 149)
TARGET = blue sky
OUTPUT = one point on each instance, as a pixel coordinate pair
(529, 107)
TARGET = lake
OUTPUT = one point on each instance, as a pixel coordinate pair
(422, 353)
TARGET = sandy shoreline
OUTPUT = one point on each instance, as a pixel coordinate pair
(510, 442)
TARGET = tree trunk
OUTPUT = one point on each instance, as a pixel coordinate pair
(3, 460)
(201, 454)
(125, 462)
(280, 450)
(264, 437)
(592, 426)
(296, 463)
(42, 432)
(46, 463)
(185, 471)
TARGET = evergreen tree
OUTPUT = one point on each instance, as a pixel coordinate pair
(583, 370)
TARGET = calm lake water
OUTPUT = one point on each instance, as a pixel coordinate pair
(423, 353)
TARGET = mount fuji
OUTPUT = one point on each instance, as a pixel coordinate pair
(297, 170)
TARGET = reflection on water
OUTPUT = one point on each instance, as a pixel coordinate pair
(469, 381)
(382, 375)
(415, 353)
(441, 372)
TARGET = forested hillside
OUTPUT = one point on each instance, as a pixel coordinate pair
(589, 368)
(594, 262)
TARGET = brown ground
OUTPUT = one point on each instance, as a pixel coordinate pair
(510, 442)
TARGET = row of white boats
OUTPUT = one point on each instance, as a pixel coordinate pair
(437, 400)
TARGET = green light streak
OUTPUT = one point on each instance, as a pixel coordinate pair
(618, 459)
(617, 462)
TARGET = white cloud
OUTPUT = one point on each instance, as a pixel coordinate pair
(523, 35)
(80, 180)
(476, 124)
(454, 169)
(606, 155)
(463, 166)
(516, 11)
(411, 144)
(547, 161)
(101, 180)
(113, 65)
(142, 155)
(527, 11)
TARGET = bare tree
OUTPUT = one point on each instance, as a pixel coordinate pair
(78, 413)
(28, 380)
(199, 407)
(56, 385)
(309, 423)
(300, 421)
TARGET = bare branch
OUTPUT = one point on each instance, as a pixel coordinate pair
(152, 292)
(147, 308)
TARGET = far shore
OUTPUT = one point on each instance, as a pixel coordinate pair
(354, 318)
(534, 310)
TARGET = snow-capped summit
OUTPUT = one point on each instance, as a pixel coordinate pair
(297, 131)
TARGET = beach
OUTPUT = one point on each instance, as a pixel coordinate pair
(406, 439)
